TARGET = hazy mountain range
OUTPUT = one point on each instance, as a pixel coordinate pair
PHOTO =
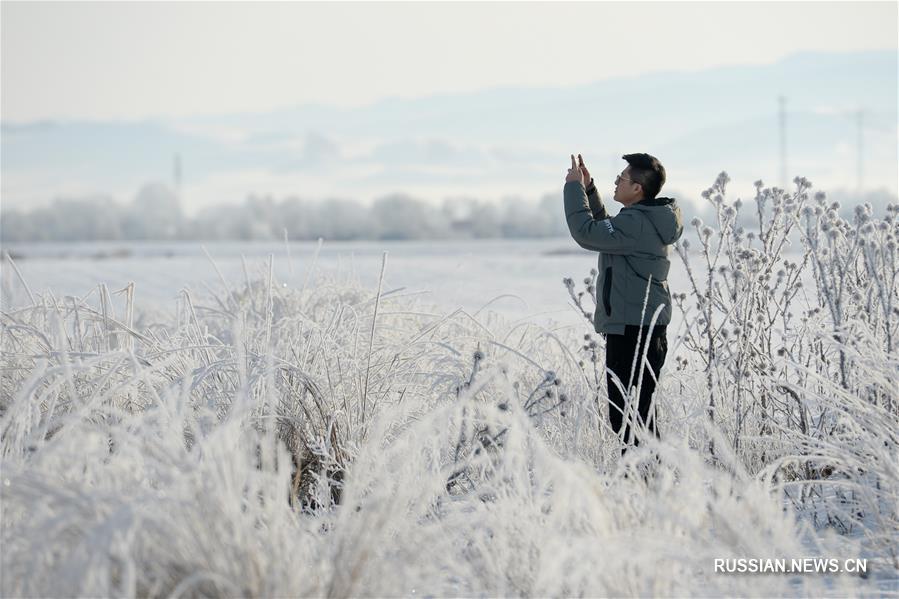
(505, 142)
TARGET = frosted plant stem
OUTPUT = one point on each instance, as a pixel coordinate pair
(104, 310)
(21, 279)
(269, 303)
(310, 272)
(289, 259)
(371, 336)
(219, 273)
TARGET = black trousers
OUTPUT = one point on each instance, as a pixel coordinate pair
(620, 360)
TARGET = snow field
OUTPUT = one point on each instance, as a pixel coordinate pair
(342, 439)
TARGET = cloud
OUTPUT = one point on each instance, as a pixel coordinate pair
(315, 151)
(218, 133)
(827, 110)
(414, 152)
(29, 189)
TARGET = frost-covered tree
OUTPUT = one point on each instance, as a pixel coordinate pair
(155, 213)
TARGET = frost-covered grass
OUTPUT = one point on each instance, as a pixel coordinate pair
(338, 440)
(804, 383)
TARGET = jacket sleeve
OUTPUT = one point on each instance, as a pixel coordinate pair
(596, 206)
(615, 235)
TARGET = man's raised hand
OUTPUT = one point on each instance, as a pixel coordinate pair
(574, 173)
(586, 173)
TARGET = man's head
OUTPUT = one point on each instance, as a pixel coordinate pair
(642, 179)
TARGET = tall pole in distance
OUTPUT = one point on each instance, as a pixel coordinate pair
(782, 102)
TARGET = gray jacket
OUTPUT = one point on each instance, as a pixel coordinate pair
(633, 255)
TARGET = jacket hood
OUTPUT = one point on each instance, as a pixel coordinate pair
(665, 216)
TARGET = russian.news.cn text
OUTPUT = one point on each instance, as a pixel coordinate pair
(801, 565)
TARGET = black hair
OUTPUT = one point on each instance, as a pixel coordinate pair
(648, 172)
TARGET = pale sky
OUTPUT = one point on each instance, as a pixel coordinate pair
(140, 60)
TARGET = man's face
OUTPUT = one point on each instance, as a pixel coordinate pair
(626, 191)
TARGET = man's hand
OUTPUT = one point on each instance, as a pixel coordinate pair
(584, 171)
(574, 173)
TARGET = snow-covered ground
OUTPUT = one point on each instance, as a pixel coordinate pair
(294, 432)
(524, 277)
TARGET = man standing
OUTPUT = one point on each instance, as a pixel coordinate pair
(632, 283)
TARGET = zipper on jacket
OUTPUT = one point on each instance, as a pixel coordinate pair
(607, 291)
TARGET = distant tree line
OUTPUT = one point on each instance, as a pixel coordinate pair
(155, 213)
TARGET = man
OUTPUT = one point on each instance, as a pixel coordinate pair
(632, 283)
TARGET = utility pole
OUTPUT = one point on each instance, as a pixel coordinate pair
(782, 102)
